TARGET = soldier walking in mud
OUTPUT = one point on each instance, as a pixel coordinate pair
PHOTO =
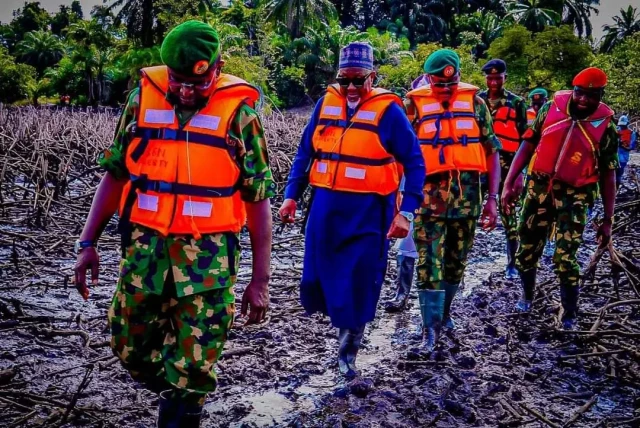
(174, 302)
(509, 113)
(352, 215)
(455, 132)
(575, 143)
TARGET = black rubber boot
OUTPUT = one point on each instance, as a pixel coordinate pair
(450, 291)
(432, 310)
(174, 412)
(511, 272)
(406, 266)
(569, 298)
(528, 279)
(349, 341)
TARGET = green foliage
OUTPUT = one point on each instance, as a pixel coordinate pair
(549, 59)
(15, 79)
(621, 65)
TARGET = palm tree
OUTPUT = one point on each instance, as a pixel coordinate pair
(531, 14)
(40, 49)
(298, 15)
(578, 13)
(627, 23)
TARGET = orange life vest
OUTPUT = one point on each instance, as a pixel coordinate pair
(531, 116)
(449, 139)
(348, 153)
(625, 138)
(504, 123)
(568, 147)
(184, 179)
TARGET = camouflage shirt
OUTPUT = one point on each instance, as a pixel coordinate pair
(607, 157)
(457, 195)
(196, 265)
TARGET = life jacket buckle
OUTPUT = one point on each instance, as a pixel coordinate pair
(169, 134)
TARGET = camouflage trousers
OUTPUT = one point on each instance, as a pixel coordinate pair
(170, 342)
(443, 245)
(509, 221)
(568, 209)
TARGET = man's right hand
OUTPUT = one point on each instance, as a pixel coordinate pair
(507, 199)
(88, 258)
(288, 211)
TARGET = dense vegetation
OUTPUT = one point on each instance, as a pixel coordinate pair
(289, 48)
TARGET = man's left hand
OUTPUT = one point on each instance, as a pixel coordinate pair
(489, 217)
(604, 234)
(399, 228)
(256, 299)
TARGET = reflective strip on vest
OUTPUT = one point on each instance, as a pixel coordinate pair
(449, 139)
(184, 180)
(349, 155)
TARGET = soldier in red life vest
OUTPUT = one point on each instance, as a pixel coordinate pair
(575, 143)
(537, 98)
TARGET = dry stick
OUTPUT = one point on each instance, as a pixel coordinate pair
(585, 408)
(74, 399)
(22, 406)
(23, 419)
(539, 416)
(510, 408)
(592, 354)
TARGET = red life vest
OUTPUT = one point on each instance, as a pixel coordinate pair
(184, 179)
(505, 126)
(349, 155)
(449, 139)
(625, 138)
(568, 147)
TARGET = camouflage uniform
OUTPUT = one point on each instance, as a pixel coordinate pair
(565, 205)
(445, 224)
(174, 302)
(509, 222)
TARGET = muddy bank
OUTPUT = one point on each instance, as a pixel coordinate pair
(497, 369)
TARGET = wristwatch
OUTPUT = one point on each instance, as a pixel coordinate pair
(406, 214)
(79, 245)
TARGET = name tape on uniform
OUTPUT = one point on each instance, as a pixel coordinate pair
(159, 116)
(205, 121)
(197, 209)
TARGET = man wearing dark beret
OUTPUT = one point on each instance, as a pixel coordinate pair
(576, 154)
(458, 145)
(509, 112)
(351, 153)
(180, 223)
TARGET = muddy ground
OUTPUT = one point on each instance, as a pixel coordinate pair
(498, 368)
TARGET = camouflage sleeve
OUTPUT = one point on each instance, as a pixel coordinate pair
(533, 133)
(248, 133)
(485, 122)
(410, 108)
(521, 115)
(608, 155)
(112, 159)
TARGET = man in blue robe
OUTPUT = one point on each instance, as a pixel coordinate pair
(351, 152)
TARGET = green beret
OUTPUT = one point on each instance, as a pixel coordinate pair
(539, 91)
(443, 62)
(190, 48)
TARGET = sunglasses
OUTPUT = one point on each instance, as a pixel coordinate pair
(175, 85)
(356, 81)
(454, 82)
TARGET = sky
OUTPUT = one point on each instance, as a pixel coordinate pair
(608, 8)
